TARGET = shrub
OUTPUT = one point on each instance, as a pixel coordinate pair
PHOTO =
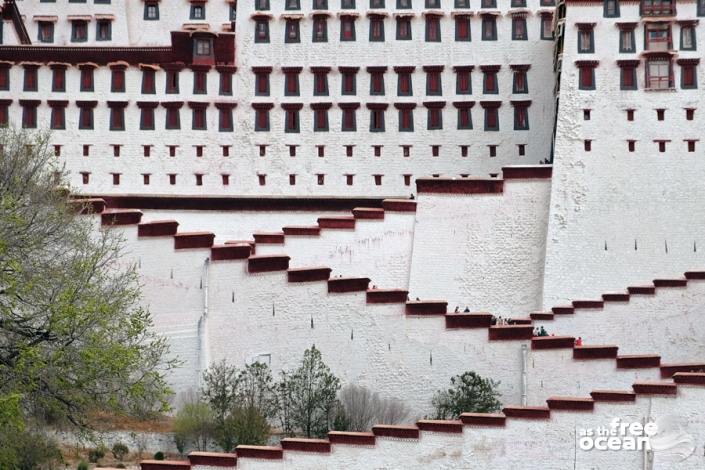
(159, 455)
(120, 465)
(120, 450)
(83, 465)
(96, 454)
(469, 393)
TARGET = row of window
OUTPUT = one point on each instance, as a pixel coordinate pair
(660, 114)
(490, 83)
(262, 178)
(320, 150)
(488, 30)
(463, 82)
(117, 85)
(79, 31)
(434, 117)
(264, 5)
(657, 37)
(631, 144)
(658, 74)
(262, 115)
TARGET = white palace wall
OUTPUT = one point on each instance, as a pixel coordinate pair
(621, 218)
(483, 251)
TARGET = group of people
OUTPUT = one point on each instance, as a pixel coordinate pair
(501, 321)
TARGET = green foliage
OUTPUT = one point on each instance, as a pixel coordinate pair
(120, 465)
(194, 425)
(307, 397)
(73, 337)
(120, 450)
(28, 451)
(159, 455)
(94, 455)
(83, 465)
(242, 402)
(469, 393)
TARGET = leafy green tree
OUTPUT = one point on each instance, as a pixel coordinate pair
(120, 450)
(242, 400)
(73, 337)
(308, 396)
(469, 393)
(194, 425)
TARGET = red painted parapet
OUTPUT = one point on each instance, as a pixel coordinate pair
(469, 320)
(368, 213)
(321, 446)
(689, 378)
(89, 206)
(640, 361)
(571, 403)
(655, 388)
(527, 412)
(212, 459)
(318, 273)
(552, 342)
(187, 240)
(510, 332)
(603, 351)
(484, 419)
(400, 432)
(695, 275)
(312, 231)
(164, 465)
(539, 316)
(642, 290)
(158, 228)
(259, 452)
(267, 263)
(352, 438)
(342, 221)
(459, 186)
(670, 282)
(588, 304)
(120, 217)
(669, 370)
(527, 172)
(399, 205)
(269, 238)
(437, 425)
(616, 297)
(240, 242)
(522, 321)
(613, 395)
(339, 285)
(426, 307)
(230, 252)
(386, 296)
(563, 310)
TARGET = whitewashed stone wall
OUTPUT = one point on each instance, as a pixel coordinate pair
(621, 218)
(483, 251)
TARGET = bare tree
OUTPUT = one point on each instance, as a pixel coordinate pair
(365, 408)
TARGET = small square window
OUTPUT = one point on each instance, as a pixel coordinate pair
(587, 144)
(172, 179)
(518, 3)
(435, 150)
(261, 31)
(688, 42)
(198, 12)
(320, 4)
(292, 4)
(86, 150)
(349, 150)
(586, 114)
(404, 4)
(378, 180)
(376, 3)
(631, 145)
(262, 5)
(403, 29)
(493, 150)
(519, 29)
(689, 114)
(691, 145)
(347, 4)
(145, 179)
(626, 41)
(463, 150)
(586, 42)
(292, 32)
(262, 150)
(377, 150)
(522, 149)
(489, 28)
(320, 179)
(199, 180)
(46, 32)
(292, 180)
(611, 9)
(407, 180)
(225, 179)
(147, 150)
(376, 29)
(488, 3)
(79, 31)
(103, 31)
(347, 28)
(349, 179)
(172, 150)
(85, 177)
(321, 150)
(226, 150)
(203, 47)
(320, 30)
(151, 11)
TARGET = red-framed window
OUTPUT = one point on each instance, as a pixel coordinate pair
(148, 79)
(659, 74)
(658, 37)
